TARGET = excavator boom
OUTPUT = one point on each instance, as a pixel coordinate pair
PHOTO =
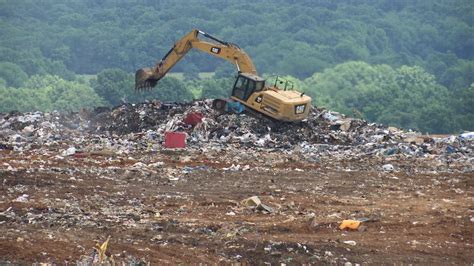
(249, 89)
(147, 78)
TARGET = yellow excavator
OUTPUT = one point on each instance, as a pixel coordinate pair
(279, 101)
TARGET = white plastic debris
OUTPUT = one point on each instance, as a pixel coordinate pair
(467, 135)
(70, 151)
(22, 198)
(156, 164)
(388, 167)
(331, 116)
(350, 242)
(139, 165)
(233, 167)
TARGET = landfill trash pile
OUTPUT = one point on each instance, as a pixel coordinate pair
(329, 190)
(132, 127)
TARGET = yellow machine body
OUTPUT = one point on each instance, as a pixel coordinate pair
(284, 104)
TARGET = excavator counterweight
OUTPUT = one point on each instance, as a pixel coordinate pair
(249, 89)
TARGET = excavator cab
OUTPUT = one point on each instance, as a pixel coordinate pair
(246, 84)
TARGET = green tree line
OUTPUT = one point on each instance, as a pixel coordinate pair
(288, 37)
(406, 97)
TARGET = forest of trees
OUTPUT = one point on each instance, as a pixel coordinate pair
(407, 63)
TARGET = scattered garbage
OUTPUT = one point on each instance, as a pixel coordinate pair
(175, 140)
(69, 151)
(152, 125)
(234, 107)
(117, 168)
(252, 202)
(101, 249)
(233, 167)
(349, 224)
(193, 119)
(264, 208)
(255, 203)
(4, 146)
(22, 198)
(388, 167)
(467, 135)
(350, 242)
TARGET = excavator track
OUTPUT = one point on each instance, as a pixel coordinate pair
(270, 121)
(220, 106)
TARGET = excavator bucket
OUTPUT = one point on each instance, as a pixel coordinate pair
(144, 79)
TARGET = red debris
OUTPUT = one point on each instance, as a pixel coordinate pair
(175, 140)
(193, 119)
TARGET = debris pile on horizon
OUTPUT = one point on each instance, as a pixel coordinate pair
(135, 127)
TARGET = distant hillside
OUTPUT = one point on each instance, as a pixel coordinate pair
(297, 38)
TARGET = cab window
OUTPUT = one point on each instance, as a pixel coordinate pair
(250, 88)
(259, 86)
(240, 88)
(244, 87)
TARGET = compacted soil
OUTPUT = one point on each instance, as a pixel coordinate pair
(185, 206)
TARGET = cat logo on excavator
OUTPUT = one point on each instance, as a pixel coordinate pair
(216, 50)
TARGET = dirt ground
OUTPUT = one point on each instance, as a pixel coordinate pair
(185, 207)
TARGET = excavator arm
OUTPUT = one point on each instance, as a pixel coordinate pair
(146, 78)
